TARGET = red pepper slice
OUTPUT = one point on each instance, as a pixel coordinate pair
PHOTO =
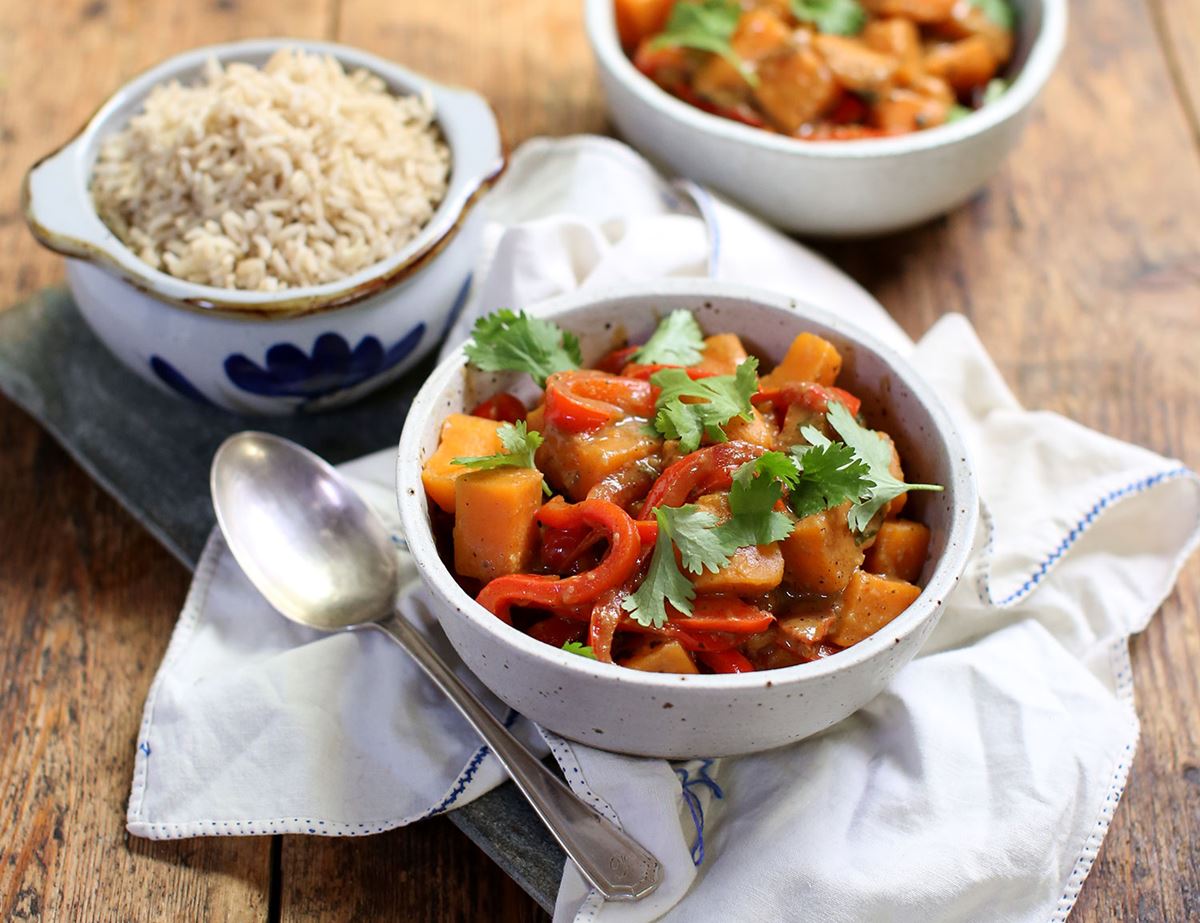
(580, 402)
(718, 612)
(614, 361)
(545, 592)
(725, 661)
(703, 471)
(504, 408)
(807, 394)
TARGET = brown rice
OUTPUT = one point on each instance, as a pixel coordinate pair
(294, 174)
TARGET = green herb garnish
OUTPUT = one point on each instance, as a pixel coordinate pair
(996, 87)
(677, 341)
(720, 399)
(830, 475)
(876, 454)
(578, 647)
(664, 582)
(505, 341)
(836, 17)
(519, 447)
(705, 25)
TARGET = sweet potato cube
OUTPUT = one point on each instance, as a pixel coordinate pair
(795, 89)
(899, 38)
(899, 551)
(577, 462)
(722, 354)
(856, 66)
(900, 110)
(760, 33)
(494, 528)
(751, 571)
(661, 657)
(964, 65)
(869, 603)
(760, 430)
(809, 358)
(640, 19)
(462, 436)
(820, 556)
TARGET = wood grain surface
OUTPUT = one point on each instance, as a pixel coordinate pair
(1079, 266)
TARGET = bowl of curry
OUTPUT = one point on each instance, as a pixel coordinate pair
(828, 117)
(690, 520)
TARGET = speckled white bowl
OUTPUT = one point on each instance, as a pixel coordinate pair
(832, 188)
(301, 349)
(700, 715)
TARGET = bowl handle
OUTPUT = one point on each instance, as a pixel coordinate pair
(59, 209)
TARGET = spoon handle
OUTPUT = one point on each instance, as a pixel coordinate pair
(609, 859)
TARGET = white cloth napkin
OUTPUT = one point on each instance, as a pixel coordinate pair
(978, 786)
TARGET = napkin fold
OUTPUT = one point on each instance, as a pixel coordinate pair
(979, 785)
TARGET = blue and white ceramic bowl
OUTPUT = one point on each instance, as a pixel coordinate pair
(303, 349)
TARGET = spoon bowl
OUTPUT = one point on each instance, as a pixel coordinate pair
(308, 542)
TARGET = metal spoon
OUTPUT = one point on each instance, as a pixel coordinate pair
(321, 557)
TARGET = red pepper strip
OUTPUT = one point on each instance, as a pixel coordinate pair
(580, 402)
(504, 408)
(556, 631)
(616, 360)
(807, 394)
(606, 615)
(723, 613)
(850, 109)
(725, 661)
(637, 370)
(703, 471)
(619, 561)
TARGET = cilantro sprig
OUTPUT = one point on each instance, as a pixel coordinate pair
(519, 447)
(578, 647)
(872, 451)
(664, 583)
(677, 341)
(705, 25)
(713, 402)
(830, 475)
(836, 17)
(505, 341)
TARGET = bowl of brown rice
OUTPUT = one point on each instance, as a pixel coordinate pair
(270, 226)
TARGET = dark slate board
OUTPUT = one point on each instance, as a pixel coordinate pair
(152, 453)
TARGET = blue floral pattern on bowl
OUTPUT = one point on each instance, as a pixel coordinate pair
(177, 381)
(333, 366)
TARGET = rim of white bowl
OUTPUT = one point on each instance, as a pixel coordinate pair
(946, 573)
(1043, 55)
(476, 160)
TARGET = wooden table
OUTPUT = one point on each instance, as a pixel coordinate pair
(1080, 267)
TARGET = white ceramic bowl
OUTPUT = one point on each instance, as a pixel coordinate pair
(700, 715)
(304, 348)
(830, 188)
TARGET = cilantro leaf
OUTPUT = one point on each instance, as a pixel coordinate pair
(877, 455)
(578, 647)
(705, 25)
(957, 112)
(721, 398)
(830, 475)
(757, 487)
(504, 341)
(695, 534)
(998, 11)
(837, 17)
(677, 341)
(996, 87)
(519, 447)
(664, 582)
